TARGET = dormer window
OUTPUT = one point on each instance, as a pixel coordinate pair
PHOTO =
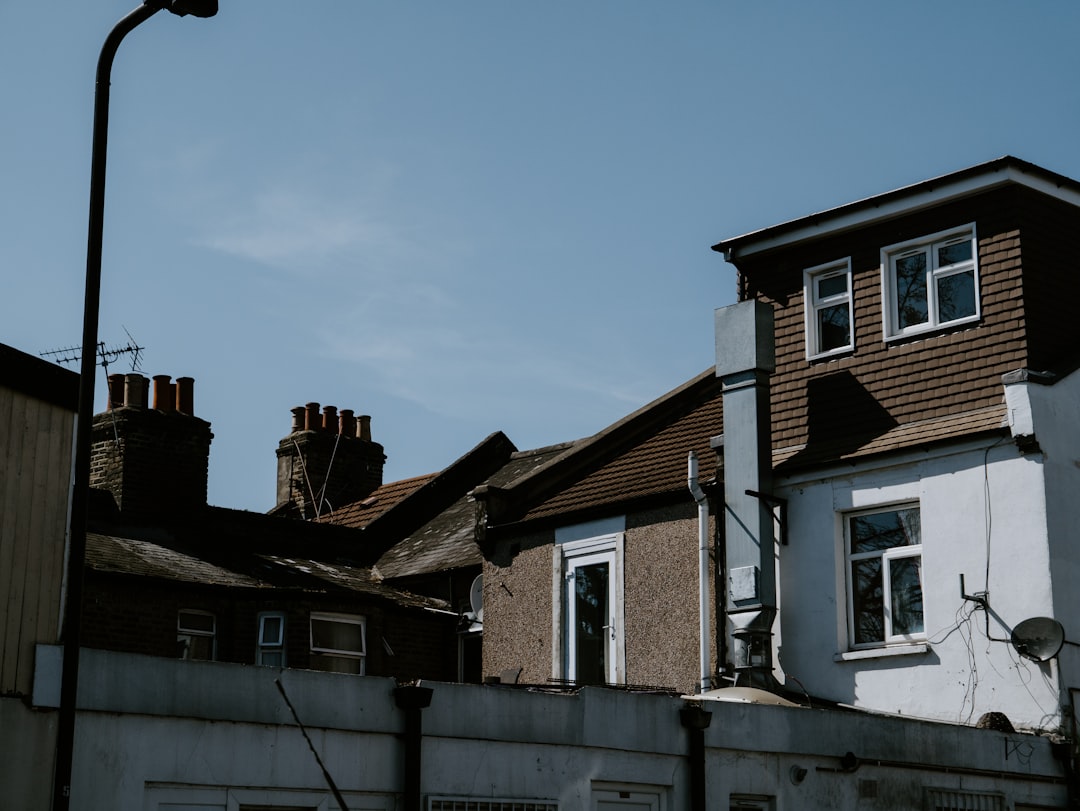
(930, 283)
(827, 293)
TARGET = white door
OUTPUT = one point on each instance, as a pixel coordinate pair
(590, 618)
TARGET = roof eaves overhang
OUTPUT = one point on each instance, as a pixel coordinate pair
(861, 213)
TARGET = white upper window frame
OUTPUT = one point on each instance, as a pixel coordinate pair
(815, 301)
(934, 273)
(340, 653)
(267, 647)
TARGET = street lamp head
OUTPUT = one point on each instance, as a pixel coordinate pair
(196, 8)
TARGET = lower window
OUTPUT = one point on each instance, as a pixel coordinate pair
(338, 643)
(195, 634)
(885, 589)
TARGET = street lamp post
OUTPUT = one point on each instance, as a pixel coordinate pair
(70, 634)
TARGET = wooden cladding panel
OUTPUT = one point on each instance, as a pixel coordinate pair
(35, 473)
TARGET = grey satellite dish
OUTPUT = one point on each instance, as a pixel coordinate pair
(1038, 638)
(476, 597)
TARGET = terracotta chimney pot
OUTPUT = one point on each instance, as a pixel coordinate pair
(298, 419)
(116, 391)
(164, 396)
(185, 395)
(348, 423)
(363, 427)
(330, 419)
(312, 419)
(136, 390)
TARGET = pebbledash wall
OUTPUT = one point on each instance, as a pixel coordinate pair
(155, 734)
(989, 511)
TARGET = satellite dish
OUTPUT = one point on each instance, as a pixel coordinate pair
(1038, 638)
(476, 597)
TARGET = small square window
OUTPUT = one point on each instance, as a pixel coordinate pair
(930, 283)
(338, 643)
(196, 634)
(270, 648)
(827, 297)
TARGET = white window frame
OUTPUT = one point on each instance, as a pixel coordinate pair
(888, 556)
(568, 557)
(928, 245)
(813, 304)
(264, 646)
(184, 632)
(347, 619)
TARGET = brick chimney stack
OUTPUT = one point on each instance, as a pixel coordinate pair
(155, 460)
(327, 460)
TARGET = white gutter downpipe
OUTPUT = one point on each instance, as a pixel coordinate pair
(703, 567)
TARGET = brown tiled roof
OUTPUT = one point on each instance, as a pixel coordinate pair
(657, 466)
(361, 513)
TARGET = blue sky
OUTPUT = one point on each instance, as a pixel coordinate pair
(463, 217)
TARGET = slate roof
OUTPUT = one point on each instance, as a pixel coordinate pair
(168, 556)
(448, 541)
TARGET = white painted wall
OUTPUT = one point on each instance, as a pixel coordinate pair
(983, 511)
(158, 734)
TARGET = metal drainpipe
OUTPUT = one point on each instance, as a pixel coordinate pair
(412, 699)
(696, 721)
(703, 569)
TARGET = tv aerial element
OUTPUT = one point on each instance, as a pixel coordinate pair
(1039, 638)
(476, 597)
(106, 354)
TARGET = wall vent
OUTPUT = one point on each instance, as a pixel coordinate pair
(487, 804)
(946, 799)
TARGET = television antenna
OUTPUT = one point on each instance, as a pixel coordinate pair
(106, 354)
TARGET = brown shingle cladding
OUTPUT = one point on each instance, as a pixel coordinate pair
(855, 398)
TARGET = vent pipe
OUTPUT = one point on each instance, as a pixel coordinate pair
(745, 357)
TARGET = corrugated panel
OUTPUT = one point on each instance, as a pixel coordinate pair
(35, 471)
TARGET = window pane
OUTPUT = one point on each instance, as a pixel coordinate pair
(272, 658)
(197, 647)
(867, 602)
(911, 305)
(905, 583)
(270, 631)
(337, 664)
(327, 634)
(199, 623)
(956, 296)
(832, 285)
(591, 619)
(879, 531)
(834, 327)
(956, 252)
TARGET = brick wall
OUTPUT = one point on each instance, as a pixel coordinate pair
(139, 615)
(154, 463)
